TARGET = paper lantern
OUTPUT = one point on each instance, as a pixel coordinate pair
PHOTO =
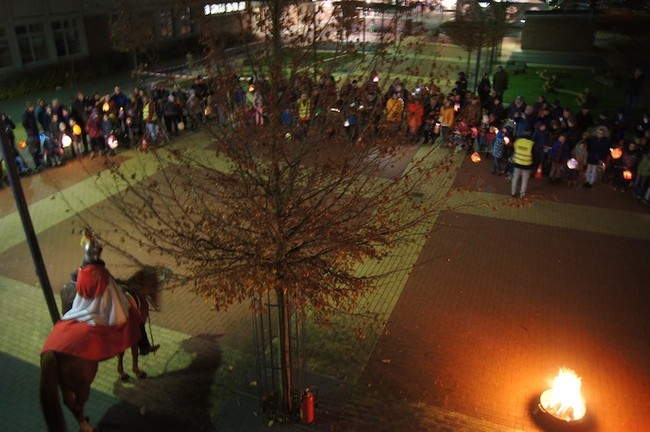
(627, 174)
(112, 142)
(66, 141)
(22, 145)
(181, 126)
(572, 163)
(76, 129)
(616, 153)
(106, 107)
(476, 157)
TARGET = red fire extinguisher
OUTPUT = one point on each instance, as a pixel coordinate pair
(307, 405)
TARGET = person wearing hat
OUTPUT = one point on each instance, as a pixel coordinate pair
(101, 323)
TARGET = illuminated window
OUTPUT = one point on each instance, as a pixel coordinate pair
(31, 43)
(66, 37)
(222, 8)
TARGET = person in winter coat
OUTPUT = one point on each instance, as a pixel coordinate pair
(395, 109)
(497, 149)
(642, 180)
(500, 81)
(414, 114)
(597, 147)
(447, 120)
(559, 155)
(522, 161)
(31, 129)
(95, 132)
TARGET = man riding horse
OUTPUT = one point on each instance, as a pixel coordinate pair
(102, 322)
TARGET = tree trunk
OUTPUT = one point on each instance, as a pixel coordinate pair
(285, 351)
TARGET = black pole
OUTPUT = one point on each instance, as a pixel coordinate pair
(478, 55)
(23, 210)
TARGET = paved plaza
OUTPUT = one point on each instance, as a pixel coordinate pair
(473, 322)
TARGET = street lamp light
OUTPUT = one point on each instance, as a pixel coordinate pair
(483, 5)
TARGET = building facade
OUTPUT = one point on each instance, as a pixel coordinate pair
(40, 33)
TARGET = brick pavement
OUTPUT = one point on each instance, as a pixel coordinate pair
(498, 298)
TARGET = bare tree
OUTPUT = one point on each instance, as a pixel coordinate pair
(475, 28)
(131, 30)
(280, 202)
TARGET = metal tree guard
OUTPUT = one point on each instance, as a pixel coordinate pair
(267, 322)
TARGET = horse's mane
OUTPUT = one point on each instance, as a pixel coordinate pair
(148, 281)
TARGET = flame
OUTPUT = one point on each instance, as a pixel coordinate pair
(564, 400)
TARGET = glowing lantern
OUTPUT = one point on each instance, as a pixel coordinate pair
(375, 79)
(346, 123)
(564, 400)
(616, 153)
(476, 157)
(251, 88)
(76, 129)
(572, 163)
(106, 107)
(288, 136)
(181, 125)
(22, 145)
(208, 111)
(66, 141)
(627, 174)
(112, 142)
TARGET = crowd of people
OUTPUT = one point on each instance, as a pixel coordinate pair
(96, 125)
(566, 147)
(543, 137)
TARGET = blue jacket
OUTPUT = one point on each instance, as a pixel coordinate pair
(559, 152)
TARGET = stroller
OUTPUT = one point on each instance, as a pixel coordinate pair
(51, 149)
(462, 137)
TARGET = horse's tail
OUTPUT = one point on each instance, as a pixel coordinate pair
(49, 392)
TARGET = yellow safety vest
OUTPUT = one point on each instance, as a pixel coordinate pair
(523, 152)
(304, 109)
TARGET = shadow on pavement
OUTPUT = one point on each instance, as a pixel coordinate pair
(173, 401)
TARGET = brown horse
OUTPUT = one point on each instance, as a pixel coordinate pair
(74, 375)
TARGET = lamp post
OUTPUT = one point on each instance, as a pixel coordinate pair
(365, 18)
(483, 5)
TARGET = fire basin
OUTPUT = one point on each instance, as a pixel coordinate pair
(562, 407)
(568, 413)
